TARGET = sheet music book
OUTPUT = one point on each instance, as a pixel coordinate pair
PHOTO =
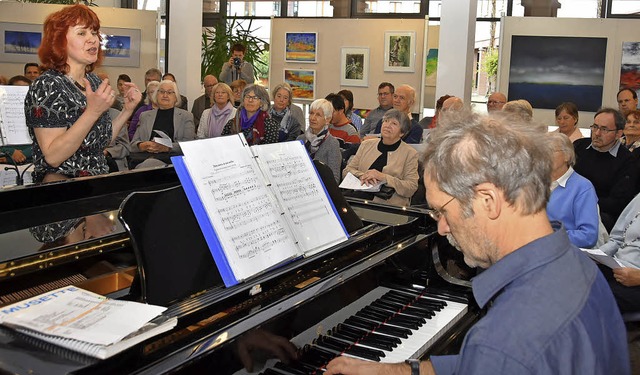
(257, 206)
(86, 322)
(13, 123)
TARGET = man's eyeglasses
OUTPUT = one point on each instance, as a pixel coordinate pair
(437, 214)
(162, 92)
(603, 129)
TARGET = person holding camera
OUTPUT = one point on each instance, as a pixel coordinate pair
(236, 67)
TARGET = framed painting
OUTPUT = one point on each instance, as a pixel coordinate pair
(19, 42)
(301, 47)
(630, 66)
(121, 47)
(400, 51)
(354, 66)
(303, 83)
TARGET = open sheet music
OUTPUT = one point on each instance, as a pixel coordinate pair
(13, 125)
(257, 206)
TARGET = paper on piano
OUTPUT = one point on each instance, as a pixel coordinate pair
(163, 138)
(257, 206)
(85, 322)
(600, 257)
(353, 183)
(13, 123)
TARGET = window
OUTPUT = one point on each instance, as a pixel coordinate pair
(256, 8)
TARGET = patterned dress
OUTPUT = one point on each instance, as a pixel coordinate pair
(53, 101)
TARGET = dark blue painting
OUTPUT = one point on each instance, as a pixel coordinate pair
(22, 42)
(116, 45)
(549, 70)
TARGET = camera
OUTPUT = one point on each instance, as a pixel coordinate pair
(236, 62)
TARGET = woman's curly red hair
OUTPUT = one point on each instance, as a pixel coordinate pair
(53, 48)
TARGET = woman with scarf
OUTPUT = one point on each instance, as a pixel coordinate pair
(321, 145)
(389, 160)
(252, 117)
(290, 128)
(214, 119)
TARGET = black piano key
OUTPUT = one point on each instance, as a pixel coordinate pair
(355, 349)
(409, 310)
(443, 294)
(417, 320)
(289, 369)
(330, 344)
(271, 372)
(388, 330)
(363, 353)
(382, 319)
(372, 342)
(428, 304)
(394, 341)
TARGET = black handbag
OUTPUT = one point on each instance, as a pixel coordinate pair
(385, 192)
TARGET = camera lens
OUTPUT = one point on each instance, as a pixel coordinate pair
(237, 61)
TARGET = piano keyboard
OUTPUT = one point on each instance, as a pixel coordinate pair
(385, 325)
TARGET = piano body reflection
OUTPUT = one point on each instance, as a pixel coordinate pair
(382, 295)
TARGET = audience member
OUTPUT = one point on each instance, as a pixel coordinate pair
(320, 144)
(119, 148)
(388, 160)
(403, 99)
(222, 111)
(627, 100)
(31, 71)
(149, 104)
(66, 107)
(281, 112)
(611, 169)
(434, 120)
(632, 132)
(496, 101)
(356, 120)
(19, 81)
(252, 117)
(385, 101)
(3, 80)
(204, 101)
(120, 85)
(237, 87)
(573, 200)
(183, 103)
(153, 74)
(236, 68)
(545, 302)
(341, 126)
(624, 246)
(520, 108)
(452, 103)
(169, 119)
(567, 120)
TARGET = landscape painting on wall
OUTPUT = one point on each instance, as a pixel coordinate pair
(19, 42)
(549, 70)
(303, 83)
(301, 47)
(630, 69)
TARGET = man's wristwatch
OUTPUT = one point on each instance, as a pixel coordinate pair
(415, 366)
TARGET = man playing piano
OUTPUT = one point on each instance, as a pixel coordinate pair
(549, 310)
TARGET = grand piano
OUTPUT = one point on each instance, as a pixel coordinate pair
(394, 290)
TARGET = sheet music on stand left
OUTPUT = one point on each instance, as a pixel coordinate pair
(13, 124)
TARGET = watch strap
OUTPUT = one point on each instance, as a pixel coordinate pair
(415, 366)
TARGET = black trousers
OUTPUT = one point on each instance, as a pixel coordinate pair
(627, 297)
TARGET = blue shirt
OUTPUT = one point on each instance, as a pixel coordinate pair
(574, 203)
(551, 312)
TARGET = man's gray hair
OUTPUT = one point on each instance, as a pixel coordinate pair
(260, 92)
(325, 106)
(401, 117)
(468, 149)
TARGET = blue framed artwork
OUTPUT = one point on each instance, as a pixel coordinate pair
(19, 42)
(121, 47)
(301, 47)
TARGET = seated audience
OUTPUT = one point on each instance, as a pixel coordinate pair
(19, 81)
(632, 132)
(167, 118)
(215, 118)
(425, 123)
(341, 126)
(237, 87)
(119, 148)
(452, 103)
(567, 120)
(252, 117)
(385, 101)
(3, 80)
(120, 85)
(389, 160)
(624, 246)
(627, 100)
(281, 112)
(403, 99)
(149, 104)
(520, 108)
(204, 101)
(320, 144)
(573, 200)
(495, 102)
(184, 102)
(31, 71)
(356, 120)
(611, 168)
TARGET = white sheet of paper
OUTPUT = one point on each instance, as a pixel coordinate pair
(163, 138)
(13, 123)
(353, 183)
(600, 257)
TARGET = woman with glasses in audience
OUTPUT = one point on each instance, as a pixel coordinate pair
(632, 132)
(66, 108)
(252, 117)
(281, 112)
(389, 160)
(320, 144)
(165, 121)
(567, 120)
(215, 118)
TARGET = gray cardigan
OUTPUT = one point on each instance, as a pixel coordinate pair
(329, 153)
(183, 128)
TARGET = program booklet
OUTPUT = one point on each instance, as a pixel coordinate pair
(86, 322)
(257, 206)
